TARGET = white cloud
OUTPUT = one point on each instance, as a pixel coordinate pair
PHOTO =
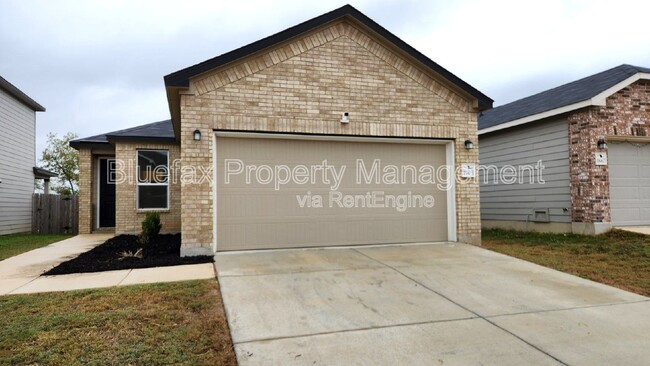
(494, 44)
(97, 66)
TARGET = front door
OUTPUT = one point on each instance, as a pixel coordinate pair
(106, 192)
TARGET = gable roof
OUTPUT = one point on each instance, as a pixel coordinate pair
(20, 96)
(156, 131)
(591, 90)
(181, 78)
(178, 81)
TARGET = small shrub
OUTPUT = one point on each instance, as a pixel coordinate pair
(150, 227)
(130, 254)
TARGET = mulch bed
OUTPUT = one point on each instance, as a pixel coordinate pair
(163, 251)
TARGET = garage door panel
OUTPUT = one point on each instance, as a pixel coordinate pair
(625, 194)
(625, 214)
(255, 215)
(627, 171)
(645, 213)
(629, 177)
(311, 234)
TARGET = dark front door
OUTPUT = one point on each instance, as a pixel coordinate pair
(106, 193)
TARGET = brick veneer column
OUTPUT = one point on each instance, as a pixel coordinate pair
(626, 113)
(85, 191)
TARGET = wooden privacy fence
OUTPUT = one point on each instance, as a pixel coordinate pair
(55, 214)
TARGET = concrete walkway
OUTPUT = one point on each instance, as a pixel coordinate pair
(636, 229)
(442, 304)
(22, 274)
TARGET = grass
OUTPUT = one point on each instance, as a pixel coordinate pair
(179, 323)
(14, 244)
(617, 258)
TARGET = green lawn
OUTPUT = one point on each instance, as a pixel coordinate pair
(617, 258)
(14, 244)
(179, 323)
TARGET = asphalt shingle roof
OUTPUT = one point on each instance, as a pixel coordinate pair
(162, 130)
(564, 95)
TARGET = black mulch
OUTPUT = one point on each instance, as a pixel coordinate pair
(163, 251)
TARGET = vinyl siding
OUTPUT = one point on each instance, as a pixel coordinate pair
(17, 158)
(546, 140)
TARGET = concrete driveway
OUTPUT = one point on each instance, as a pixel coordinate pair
(636, 229)
(433, 304)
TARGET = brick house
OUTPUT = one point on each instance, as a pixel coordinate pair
(593, 138)
(330, 92)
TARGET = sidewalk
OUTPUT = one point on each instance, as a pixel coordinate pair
(636, 229)
(22, 274)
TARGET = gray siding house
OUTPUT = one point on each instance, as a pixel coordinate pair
(524, 204)
(592, 137)
(17, 158)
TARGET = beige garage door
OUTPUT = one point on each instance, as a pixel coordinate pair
(258, 207)
(629, 183)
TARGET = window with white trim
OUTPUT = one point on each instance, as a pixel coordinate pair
(153, 180)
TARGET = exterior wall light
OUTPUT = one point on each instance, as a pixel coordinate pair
(197, 135)
(602, 144)
(469, 145)
(345, 117)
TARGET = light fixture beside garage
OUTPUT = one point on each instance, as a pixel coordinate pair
(602, 144)
(469, 145)
(197, 135)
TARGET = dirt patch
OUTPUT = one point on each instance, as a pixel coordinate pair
(163, 251)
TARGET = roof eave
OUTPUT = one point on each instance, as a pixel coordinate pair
(598, 100)
(77, 145)
(181, 79)
(41, 173)
(20, 96)
(116, 138)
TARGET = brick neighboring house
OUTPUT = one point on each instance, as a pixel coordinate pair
(594, 139)
(338, 87)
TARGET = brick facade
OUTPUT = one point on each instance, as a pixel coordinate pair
(627, 113)
(303, 86)
(86, 189)
(128, 218)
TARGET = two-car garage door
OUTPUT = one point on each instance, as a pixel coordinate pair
(322, 202)
(629, 179)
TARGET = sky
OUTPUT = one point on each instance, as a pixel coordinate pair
(98, 66)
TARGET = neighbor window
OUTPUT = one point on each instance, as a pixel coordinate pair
(153, 179)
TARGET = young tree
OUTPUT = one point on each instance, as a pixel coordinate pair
(60, 158)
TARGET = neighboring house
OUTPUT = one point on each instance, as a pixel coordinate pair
(593, 136)
(17, 158)
(338, 87)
